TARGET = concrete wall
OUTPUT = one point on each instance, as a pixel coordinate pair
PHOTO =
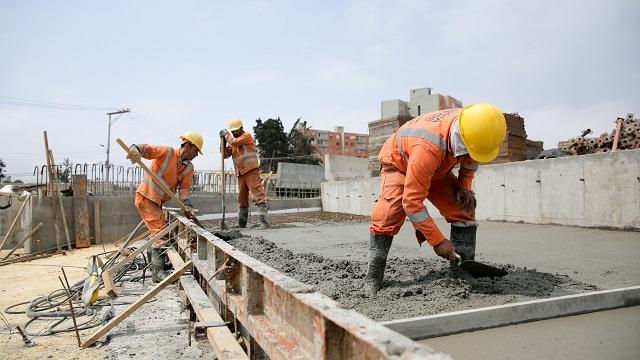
(591, 190)
(118, 217)
(290, 174)
(338, 167)
(391, 108)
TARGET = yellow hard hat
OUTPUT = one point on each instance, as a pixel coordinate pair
(235, 124)
(482, 127)
(194, 138)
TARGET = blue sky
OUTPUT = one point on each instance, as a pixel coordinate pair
(563, 65)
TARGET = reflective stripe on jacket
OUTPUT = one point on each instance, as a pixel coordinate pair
(243, 152)
(167, 165)
(421, 150)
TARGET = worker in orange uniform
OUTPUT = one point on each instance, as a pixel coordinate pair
(245, 161)
(175, 168)
(416, 164)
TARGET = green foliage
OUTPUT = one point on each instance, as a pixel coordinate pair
(271, 142)
(2, 166)
(300, 149)
(275, 145)
(65, 174)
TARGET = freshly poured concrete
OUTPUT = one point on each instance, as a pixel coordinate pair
(605, 258)
(610, 335)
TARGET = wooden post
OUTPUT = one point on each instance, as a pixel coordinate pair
(54, 209)
(62, 212)
(81, 211)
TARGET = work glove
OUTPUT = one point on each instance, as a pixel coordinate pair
(134, 154)
(188, 212)
(445, 250)
(466, 199)
(223, 132)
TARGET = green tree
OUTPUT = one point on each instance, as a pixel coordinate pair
(299, 145)
(271, 142)
(2, 166)
(65, 175)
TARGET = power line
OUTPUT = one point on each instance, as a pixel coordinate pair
(48, 104)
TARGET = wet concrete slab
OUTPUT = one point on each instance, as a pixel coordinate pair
(605, 258)
(611, 334)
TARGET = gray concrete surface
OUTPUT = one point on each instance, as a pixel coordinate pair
(340, 167)
(610, 335)
(293, 175)
(605, 258)
(598, 190)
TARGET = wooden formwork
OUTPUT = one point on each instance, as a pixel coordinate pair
(278, 317)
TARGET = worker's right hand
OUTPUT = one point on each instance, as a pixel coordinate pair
(134, 154)
(445, 250)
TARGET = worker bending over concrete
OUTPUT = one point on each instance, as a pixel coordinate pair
(245, 162)
(416, 164)
(175, 168)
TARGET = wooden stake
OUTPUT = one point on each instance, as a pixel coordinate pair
(19, 243)
(73, 313)
(133, 307)
(54, 209)
(64, 215)
(96, 223)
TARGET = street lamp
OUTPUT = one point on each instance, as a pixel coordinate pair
(117, 112)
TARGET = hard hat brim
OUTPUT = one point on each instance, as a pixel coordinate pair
(484, 157)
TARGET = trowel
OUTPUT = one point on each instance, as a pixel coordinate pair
(478, 269)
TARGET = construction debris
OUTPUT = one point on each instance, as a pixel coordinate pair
(626, 132)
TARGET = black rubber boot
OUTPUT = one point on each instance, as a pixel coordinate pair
(464, 240)
(379, 246)
(157, 265)
(243, 216)
(263, 210)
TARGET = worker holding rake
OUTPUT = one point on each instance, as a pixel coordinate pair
(175, 168)
(416, 164)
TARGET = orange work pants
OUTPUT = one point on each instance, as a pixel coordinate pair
(152, 216)
(250, 182)
(388, 215)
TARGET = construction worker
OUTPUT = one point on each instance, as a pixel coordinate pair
(175, 168)
(245, 161)
(416, 164)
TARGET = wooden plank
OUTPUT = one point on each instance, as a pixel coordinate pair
(425, 327)
(108, 285)
(222, 341)
(15, 221)
(81, 211)
(19, 243)
(62, 212)
(54, 208)
(133, 307)
(142, 248)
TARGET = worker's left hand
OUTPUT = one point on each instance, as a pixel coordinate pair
(188, 209)
(223, 132)
(466, 199)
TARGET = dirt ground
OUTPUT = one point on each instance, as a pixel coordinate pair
(157, 330)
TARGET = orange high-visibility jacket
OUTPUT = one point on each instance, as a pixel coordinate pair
(167, 165)
(243, 151)
(421, 150)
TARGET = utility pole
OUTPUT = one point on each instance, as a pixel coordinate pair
(117, 112)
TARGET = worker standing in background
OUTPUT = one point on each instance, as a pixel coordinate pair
(245, 162)
(175, 168)
(416, 164)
